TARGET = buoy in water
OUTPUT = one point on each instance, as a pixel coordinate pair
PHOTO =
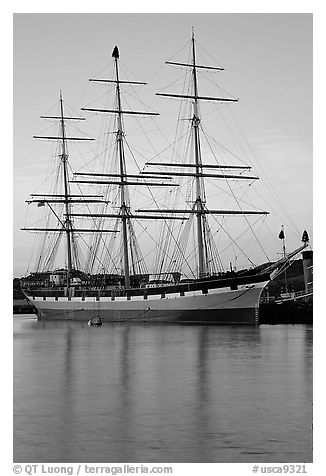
(95, 321)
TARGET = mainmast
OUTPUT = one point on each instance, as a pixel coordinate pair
(122, 164)
(123, 179)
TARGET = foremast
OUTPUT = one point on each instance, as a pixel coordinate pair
(200, 169)
(198, 164)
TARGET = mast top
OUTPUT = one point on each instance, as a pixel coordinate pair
(115, 53)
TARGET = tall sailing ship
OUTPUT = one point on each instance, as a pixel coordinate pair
(124, 290)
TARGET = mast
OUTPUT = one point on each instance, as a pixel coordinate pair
(199, 205)
(198, 202)
(204, 242)
(65, 199)
(122, 178)
(64, 158)
(123, 205)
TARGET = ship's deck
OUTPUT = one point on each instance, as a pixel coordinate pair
(180, 288)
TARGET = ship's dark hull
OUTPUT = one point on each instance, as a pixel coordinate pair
(218, 306)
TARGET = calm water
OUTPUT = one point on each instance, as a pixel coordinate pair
(161, 393)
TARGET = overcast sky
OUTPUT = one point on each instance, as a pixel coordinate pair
(268, 58)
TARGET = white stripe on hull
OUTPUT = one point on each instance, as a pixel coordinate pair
(218, 306)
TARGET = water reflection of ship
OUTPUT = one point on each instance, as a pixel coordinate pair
(120, 397)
